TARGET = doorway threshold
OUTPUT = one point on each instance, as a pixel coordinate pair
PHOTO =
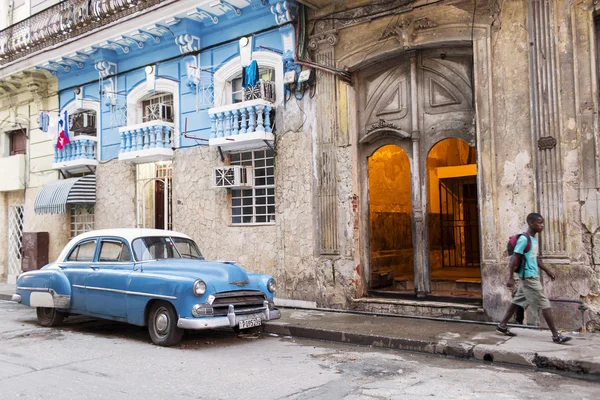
(452, 298)
(432, 306)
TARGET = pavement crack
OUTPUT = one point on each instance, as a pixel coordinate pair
(33, 369)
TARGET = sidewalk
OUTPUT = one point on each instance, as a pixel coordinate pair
(532, 347)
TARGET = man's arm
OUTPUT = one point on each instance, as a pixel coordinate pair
(515, 262)
(543, 268)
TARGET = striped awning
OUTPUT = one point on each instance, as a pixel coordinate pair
(56, 195)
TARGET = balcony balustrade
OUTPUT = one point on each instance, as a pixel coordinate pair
(63, 21)
(147, 142)
(241, 126)
(77, 155)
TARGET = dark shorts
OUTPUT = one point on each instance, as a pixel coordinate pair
(531, 293)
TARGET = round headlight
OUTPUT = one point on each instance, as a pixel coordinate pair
(271, 286)
(199, 288)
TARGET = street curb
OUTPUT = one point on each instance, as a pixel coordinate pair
(466, 350)
(5, 296)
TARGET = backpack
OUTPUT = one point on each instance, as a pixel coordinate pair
(512, 243)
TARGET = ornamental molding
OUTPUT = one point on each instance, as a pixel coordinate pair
(546, 143)
(323, 40)
(106, 68)
(187, 43)
(382, 124)
(405, 30)
(284, 11)
(367, 13)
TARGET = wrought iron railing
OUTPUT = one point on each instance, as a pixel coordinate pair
(63, 21)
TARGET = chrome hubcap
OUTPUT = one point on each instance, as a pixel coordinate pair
(162, 321)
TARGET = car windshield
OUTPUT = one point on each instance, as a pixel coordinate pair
(161, 247)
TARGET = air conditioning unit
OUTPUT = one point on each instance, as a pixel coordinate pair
(232, 176)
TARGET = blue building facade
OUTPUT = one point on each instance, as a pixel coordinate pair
(152, 91)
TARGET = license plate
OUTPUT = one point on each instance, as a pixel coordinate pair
(250, 323)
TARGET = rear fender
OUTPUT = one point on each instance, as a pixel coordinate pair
(44, 288)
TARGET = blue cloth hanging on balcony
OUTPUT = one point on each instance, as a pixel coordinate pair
(250, 74)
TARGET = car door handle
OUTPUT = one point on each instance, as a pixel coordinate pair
(94, 268)
(62, 266)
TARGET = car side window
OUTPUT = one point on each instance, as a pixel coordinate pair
(114, 251)
(84, 252)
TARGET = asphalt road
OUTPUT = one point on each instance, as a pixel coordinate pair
(92, 359)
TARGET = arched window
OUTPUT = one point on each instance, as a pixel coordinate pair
(228, 78)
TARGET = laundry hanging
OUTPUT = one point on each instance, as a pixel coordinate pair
(44, 121)
(250, 74)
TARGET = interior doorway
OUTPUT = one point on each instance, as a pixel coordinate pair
(154, 195)
(390, 208)
(453, 219)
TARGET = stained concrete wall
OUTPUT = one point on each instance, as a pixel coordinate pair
(115, 195)
(507, 151)
(283, 249)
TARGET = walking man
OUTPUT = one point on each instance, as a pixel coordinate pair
(530, 291)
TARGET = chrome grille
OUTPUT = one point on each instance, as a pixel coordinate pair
(242, 300)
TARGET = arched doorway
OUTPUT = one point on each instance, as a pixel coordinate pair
(453, 219)
(390, 216)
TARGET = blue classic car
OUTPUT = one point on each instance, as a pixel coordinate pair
(147, 277)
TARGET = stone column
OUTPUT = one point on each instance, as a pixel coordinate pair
(322, 45)
(421, 262)
(546, 126)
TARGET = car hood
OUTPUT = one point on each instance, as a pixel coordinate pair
(213, 271)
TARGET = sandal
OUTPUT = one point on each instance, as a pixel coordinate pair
(505, 331)
(561, 339)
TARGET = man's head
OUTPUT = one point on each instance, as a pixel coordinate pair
(535, 222)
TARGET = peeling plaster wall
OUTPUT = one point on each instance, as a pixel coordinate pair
(507, 163)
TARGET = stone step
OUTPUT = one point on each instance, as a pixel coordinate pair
(421, 308)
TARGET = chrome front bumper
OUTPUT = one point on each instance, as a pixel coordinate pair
(16, 298)
(231, 320)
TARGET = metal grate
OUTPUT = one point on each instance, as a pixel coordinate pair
(459, 222)
(15, 239)
(82, 219)
(255, 205)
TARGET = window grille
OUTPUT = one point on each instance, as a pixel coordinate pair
(239, 94)
(82, 219)
(158, 107)
(255, 205)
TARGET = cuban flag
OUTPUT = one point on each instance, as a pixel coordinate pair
(63, 132)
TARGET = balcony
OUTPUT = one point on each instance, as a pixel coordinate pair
(147, 142)
(77, 156)
(64, 21)
(241, 126)
(13, 173)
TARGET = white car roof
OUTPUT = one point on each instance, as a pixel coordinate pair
(128, 234)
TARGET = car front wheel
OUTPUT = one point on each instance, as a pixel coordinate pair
(49, 316)
(162, 325)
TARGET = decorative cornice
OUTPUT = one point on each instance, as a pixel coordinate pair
(367, 13)
(187, 43)
(42, 29)
(284, 11)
